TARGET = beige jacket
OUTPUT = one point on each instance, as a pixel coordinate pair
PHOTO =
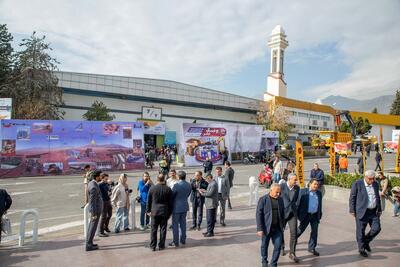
(120, 197)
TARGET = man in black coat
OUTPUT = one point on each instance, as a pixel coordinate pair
(378, 159)
(270, 216)
(365, 206)
(159, 207)
(229, 173)
(290, 195)
(5, 204)
(95, 209)
(310, 212)
(208, 166)
(197, 199)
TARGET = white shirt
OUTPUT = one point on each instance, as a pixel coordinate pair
(171, 182)
(278, 167)
(371, 195)
(219, 181)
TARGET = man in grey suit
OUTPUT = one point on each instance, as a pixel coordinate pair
(229, 173)
(223, 193)
(211, 204)
(180, 193)
(95, 209)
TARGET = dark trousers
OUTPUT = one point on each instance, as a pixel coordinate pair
(144, 218)
(211, 217)
(378, 166)
(374, 222)
(105, 216)
(292, 222)
(158, 222)
(197, 212)
(311, 219)
(229, 202)
(276, 236)
(179, 223)
(222, 206)
(94, 221)
(1, 216)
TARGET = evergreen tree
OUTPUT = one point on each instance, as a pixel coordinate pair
(375, 110)
(6, 60)
(98, 112)
(395, 109)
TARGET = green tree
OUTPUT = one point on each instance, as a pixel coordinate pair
(33, 84)
(395, 109)
(98, 112)
(362, 126)
(6, 56)
(375, 110)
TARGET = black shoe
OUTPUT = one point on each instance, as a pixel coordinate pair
(223, 224)
(161, 248)
(183, 242)
(367, 247)
(209, 235)
(95, 245)
(314, 252)
(172, 244)
(90, 248)
(363, 253)
(198, 228)
(294, 258)
(127, 229)
(153, 249)
(283, 251)
(193, 227)
(107, 230)
(103, 235)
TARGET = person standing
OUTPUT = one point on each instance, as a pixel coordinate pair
(163, 164)
(343, 164)
(180, 192)
(5, 204)
(365, 206)
(396, 201)
(384, 189)
(378, 159)
(223, 193)
(208, 166)
(107, 207)
(143, 189)
(229, 173)
(309, 212)
(278, 169)
(120, 200)
(211, 203)
(172, 179)
(86, 177)
(290, 195)
(95, 203)
(270, 216)
(289, 169)
(360, 164)
(319, 175)
(198, 184)
(159, 206)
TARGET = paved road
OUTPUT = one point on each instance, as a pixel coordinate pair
(58, 199)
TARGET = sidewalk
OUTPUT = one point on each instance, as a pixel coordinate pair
(234, 245)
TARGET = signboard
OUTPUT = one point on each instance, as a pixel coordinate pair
(389, 146)
(153, 127)
(151, 113)
(332, 158)
(38, 147)
(342, 148)
(395, 135)
(170, 138)
(269, 140)
(244, 138)
(270, 134)
(5, 108)
(300, 163)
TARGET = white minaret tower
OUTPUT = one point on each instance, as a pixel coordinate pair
(276, 86)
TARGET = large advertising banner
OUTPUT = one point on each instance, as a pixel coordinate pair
(269, 139)
(35, 147)
(5, 108)
(200, 141)
(153, 127)
(300, 163)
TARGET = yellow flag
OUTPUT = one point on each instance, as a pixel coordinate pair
(332, 158)
(300, 163)
(381, 146)
(397, 169)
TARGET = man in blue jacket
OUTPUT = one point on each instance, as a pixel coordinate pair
(180, 193)
(310, 212)
(270, 216)
(365, 206)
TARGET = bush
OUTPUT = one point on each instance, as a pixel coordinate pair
(394, 181)
(342, 179)
(306, 143)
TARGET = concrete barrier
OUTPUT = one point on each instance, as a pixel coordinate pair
(23, 223)
(132, 211)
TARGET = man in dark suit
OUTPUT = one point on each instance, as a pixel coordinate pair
(223, 193)
(95, 209)
(208, 166)
(229, 173)
(5, 204)
(270, 214)
(290, 195)
(197, 199)
(365, 206)
(180, 193)
(159, 207)
(211, 203)
(310, 212)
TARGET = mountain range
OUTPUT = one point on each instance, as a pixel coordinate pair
(382, 103)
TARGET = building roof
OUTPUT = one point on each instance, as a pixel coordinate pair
(373, 118)
(292, 103)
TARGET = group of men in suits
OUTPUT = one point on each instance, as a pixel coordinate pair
(285, 204)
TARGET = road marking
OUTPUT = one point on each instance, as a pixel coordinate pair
(19, 183)
(24, 193)
(50, 219)
(66, 184)
(73, 195)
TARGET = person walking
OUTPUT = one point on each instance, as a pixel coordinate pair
(197, 184)
(163, 164)
(309, 212)
(360, 164)
(368, 150)
(290, 195)
(365, 206)
(278, 169)
(107, 207)
(95, 203)
(143, 189)
(223, 193)
(378, 159)
(208, 166)
(211, 203)
(343, 164)
(319, 175)
(270, 216)
(180, 192)
(159, 207)
(384, 189)
(120, 200)
(229, 173)
(5, 204)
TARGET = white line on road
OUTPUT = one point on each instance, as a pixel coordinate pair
(66, 184)
(73, 195)
(23, 193)
(18, 183)
(50, 219)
